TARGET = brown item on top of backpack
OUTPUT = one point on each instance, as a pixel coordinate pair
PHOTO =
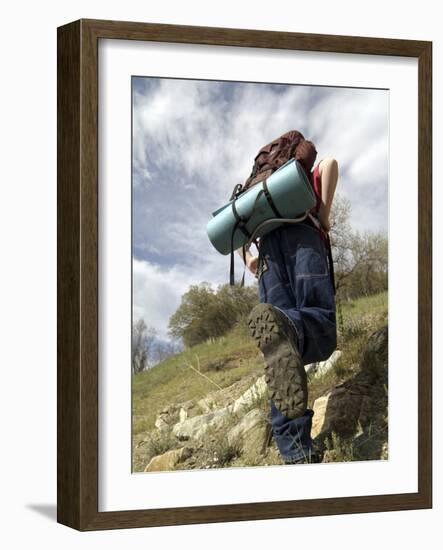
(273, 155)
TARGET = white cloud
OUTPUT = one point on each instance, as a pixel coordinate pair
(157, 294)
(158, 291)
(188, 128)
(194, 140)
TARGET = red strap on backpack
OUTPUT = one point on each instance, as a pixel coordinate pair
(316, 186)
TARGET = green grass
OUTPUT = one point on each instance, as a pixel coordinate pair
(220, 362)
(175, 381)
(368, 305)
(361, 317)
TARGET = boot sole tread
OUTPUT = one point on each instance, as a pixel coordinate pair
(285, 375)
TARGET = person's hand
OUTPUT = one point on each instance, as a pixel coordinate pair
(325, 223)
(252, 264)
(326, 226)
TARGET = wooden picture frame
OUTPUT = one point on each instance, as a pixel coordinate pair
(77, 455)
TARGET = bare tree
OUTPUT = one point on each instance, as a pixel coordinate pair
(369, 253)
(143, 339)
(340, 235)
(360, 259)
(163, 350)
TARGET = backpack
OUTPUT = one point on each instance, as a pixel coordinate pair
(273, 155)
(270, 158)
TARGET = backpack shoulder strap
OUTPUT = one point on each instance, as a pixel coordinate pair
(316, 186)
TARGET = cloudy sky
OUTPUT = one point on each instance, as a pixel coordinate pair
(194, 140)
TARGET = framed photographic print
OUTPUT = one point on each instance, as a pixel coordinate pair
(244, 274)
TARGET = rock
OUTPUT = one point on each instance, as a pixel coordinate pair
(161, 423)
(226, 396)
(322, 367)
(348, 406)
(320, 406)
(374, 363)
(325, 366)
(196, 427)
(365, 415)
(207, 404)
(252, 431)
(337, 411)
(168, 460)
(256, 391)
(187, 453)
(186, 410)
(166, 418)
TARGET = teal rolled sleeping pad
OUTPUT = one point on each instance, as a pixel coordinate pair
(290, 192)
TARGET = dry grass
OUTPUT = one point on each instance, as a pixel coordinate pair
(224, 361)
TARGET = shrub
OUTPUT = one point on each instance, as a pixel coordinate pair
(205, 313)
(158, 442)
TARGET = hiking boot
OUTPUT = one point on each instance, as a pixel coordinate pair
(284, 371)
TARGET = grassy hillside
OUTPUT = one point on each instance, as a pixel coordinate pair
(360, 318)
(219, 363)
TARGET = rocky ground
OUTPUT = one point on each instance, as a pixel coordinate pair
(230, 426)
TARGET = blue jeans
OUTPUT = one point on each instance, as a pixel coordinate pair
(294, 277)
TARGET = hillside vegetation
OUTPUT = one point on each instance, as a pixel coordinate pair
(208, 378)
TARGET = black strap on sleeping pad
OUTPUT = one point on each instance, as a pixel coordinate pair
(237, 191)
(232, 268)
(270, 199)
(241, 222)
(242, 282)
